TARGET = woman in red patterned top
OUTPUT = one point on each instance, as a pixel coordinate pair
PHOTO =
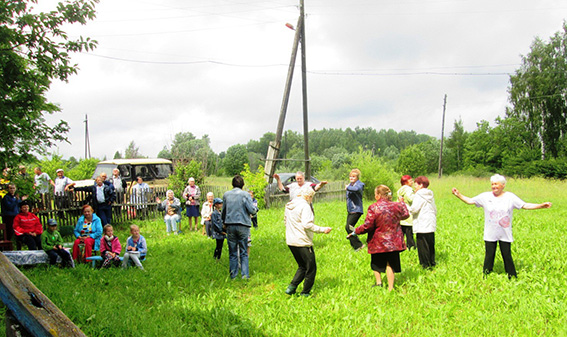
(385, 236)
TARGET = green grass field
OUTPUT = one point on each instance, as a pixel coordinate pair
(185, 293)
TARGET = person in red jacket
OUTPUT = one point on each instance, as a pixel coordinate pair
(385, 236)
(27, 227)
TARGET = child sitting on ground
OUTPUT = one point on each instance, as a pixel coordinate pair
(51, 241)
(135, 248)
(110, 247)
(217, 227)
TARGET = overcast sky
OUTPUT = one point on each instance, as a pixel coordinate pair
(219, 67)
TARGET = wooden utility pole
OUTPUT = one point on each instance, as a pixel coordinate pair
(440, 170)
(274, 147)
(304, 89)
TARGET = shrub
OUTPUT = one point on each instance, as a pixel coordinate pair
(373, 173)
(255, 182)
(178, 180)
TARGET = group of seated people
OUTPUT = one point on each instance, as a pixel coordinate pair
(90, 235)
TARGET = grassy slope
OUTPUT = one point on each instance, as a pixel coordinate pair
(184, 292)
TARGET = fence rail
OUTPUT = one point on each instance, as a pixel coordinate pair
(66, 208)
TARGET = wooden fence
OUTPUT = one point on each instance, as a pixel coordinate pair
(66, 208)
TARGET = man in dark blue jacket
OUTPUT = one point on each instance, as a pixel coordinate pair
(10, 209)
(103, 196)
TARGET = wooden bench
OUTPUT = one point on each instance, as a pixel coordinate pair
(94, 259)
(28, 257)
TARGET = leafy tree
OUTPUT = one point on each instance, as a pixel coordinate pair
(236, 157)
(538, 92)
(178, 180)
(482, 148)
(186, 147)
(84, 169)
(373, 172)
(118, 155)
(456, 143)
(34, 50)
(255, 182)
(132, 151)
(412, 161)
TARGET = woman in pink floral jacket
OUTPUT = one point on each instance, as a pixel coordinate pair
(385, 236)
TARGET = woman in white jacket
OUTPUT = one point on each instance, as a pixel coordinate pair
(424, 222)
(299, 229)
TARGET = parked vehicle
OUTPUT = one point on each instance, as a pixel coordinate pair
(154, 172)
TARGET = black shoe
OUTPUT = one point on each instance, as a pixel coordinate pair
(290, 290)
(377, 285)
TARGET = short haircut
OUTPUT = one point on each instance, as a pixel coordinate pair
(356, 172)
(497, 178)
(134, 227)
(383, 191)
(238, 181)
(300, 173)
(210, 193)
(422, 180)
(85, 207)
(405, 179)
(107, 226)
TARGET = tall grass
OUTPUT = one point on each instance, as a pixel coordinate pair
(184, 292)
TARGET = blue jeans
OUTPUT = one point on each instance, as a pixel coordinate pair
(238, 241)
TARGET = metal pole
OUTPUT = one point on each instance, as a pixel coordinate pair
(440, 170)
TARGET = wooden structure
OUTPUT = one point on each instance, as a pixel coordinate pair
(30, 312)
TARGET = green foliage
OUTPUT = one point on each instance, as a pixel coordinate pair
(83, 170)
(373, 173)
(255, 182)
(482, 148)
(456, 142)
(186, 147)
(236, 157)
(34, 50)
(182, 172)
(412, 161)
(537, 93)
(50, 165)
(132, 151)
(118, 155)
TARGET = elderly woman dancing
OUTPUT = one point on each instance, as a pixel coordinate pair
(498, 210)
(385, 236)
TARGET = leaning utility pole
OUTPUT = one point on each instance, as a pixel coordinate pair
(274, 147)
(440, 170)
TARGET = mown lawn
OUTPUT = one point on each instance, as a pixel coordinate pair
(185, 293)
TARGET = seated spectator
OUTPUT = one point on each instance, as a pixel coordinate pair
(27, 227)
(136, 248)
(172, 207)
(88, 231)
(51, 241)
(110, 248)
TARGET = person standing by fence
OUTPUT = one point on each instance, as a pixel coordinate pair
(354, 207)
(10, 209)
(192, 194)
(41, 186)
(61, 186)
(102, 196)
(139, 198)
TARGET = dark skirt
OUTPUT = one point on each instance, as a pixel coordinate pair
(379, 262)
(193, 211)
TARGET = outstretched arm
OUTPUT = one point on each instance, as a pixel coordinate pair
(465, 199)
(537, 206)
